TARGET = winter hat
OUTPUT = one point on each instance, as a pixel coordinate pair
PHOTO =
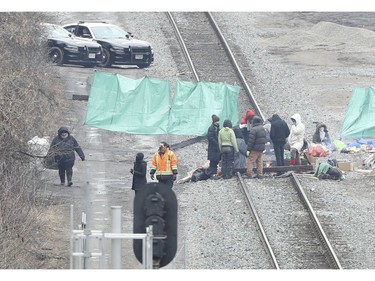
(257, 120)
(215, 118)
(249, 114)
(227, 123)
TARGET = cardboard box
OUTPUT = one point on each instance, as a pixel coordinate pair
(345, 166)
(312, 160)
(315, 161)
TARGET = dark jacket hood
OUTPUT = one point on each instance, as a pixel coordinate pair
(139, 157)
(320, 125)
(274, 118)
(63, 129)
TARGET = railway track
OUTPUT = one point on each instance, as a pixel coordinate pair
(209, 56)
(210, 59)
(288, 216)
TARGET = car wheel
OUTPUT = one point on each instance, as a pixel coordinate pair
(56, 55)
(106, 61)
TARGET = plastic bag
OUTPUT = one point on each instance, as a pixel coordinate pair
(49, 161)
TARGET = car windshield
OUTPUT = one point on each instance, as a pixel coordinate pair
(57, 31)
(109, 32)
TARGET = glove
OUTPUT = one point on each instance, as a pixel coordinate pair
(174, 177)
(132, 171)
(248, 153)
(152, 176)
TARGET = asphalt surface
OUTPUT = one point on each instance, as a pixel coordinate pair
(103, 181)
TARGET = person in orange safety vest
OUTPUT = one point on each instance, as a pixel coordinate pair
(164, 165)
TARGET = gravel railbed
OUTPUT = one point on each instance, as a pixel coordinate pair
(296, 66)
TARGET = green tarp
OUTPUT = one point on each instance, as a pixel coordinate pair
(121, 104)
(143, 106)
(359, 119)
(194, 104)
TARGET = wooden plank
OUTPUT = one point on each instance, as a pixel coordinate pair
(296, 168)
(81, 97)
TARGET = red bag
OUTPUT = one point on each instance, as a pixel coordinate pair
(316, 151)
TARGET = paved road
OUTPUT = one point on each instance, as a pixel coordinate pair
(103, 180)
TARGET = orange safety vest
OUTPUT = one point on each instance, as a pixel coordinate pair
(166, 164)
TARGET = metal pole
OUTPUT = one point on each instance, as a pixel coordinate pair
(149, 247)
(116, 243)
(87, 231)
(78, 247)
(71, 237)
(101, 249)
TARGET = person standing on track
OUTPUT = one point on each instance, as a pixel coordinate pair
(296, 139)
(255, 147)
(64, 145)
(228, 146)
(279, 133)
(239, 164)
(213, 150)
(245, 124)
(164, 165)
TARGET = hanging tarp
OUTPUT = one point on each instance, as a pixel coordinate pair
(143, 106)
(359, 119)
(118, 103)
(194, 104)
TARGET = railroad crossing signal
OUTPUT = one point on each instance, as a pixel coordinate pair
(155, 205)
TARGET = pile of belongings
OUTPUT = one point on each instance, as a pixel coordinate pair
(355, 146)
(317, 150)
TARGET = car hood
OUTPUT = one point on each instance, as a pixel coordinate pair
(80, 42)
(126, 42)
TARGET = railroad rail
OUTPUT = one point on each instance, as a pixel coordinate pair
(209, 57)
(207, 52)
(329, 253)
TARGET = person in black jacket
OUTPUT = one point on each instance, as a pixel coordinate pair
(213, 150)
(64, 145)
(279, 133)
(255, 147)
(139, 172)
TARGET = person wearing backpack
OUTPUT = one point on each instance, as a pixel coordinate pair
(164, 165)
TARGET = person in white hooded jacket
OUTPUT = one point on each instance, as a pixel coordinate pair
(296, 139)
